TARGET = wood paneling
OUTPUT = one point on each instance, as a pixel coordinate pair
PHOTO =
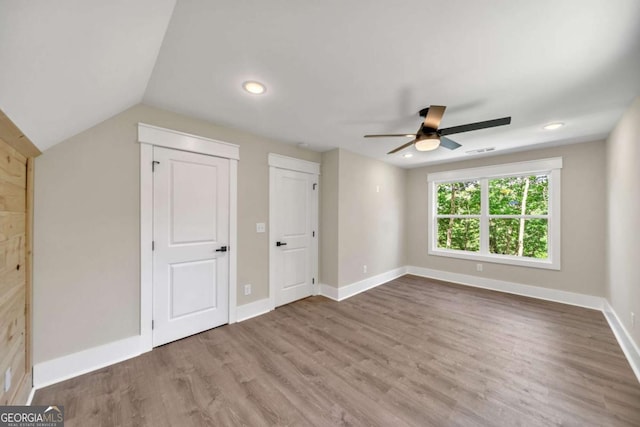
(412, 352)
(15, 285)
(14, 137)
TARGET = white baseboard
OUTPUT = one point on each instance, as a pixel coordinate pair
(31, 394)
(253, 309)
(66, 367)
(344, 292)
(571, 298)
(628, 345)
(328, 291)
(73, 365)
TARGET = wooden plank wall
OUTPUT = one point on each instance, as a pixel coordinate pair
(16, 175)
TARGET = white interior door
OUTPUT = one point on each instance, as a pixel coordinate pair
(191, 234)
(294, 209)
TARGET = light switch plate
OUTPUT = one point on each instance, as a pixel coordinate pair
(261, 227)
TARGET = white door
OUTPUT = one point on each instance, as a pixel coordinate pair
(191, 234)
(292, 234)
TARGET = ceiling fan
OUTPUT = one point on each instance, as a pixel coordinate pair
(429, 137)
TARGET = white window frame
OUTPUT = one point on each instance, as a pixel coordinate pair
(550, 167)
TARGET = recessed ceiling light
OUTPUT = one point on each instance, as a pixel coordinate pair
(407, 155)
(253, 87)
(553, 126)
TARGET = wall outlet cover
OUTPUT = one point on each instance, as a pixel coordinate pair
(7, 380)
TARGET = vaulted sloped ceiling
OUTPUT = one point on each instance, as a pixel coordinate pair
(334, 70)
(66, 65)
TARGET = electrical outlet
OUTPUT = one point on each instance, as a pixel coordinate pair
(633, 320)
(247, 289)
(478, 267)
(377, 188)
(7, 380)
(364, 268)
(261, 227)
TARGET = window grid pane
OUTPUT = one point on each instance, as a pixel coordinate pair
(458, 198)
(459, 234)
(519, 195)
(502, 216)
(519, 237)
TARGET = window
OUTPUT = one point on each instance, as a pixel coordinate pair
(506, 214)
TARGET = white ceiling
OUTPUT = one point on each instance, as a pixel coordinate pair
(335, 70)
(67, 65)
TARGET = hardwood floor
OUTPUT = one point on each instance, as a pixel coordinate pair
(411, 352)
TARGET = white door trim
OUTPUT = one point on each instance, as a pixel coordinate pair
(169, 138)
(278, 161)
(291, 163)
(148, 136)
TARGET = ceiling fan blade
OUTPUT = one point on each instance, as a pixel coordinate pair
(434, 116)
(411, 135)
(449, 143)
(475, 126)
(402, 147)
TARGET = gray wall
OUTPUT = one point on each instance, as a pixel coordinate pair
(359, 224)
(86, 228)
(329, 247)
(371, 223)
(582, 226)
(623, 232)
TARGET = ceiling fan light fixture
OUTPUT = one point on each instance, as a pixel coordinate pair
(254, 88)
(430, 136)
(428, 144)
(553, 126)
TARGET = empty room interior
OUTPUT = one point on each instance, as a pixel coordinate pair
(416, 213)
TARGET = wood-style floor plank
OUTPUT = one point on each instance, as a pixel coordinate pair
(412, 352)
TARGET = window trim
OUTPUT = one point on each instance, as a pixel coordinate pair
(550, 166)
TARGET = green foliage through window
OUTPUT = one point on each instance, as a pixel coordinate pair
(517, 215)
(459, 198)
(459, 233)
(519, 195)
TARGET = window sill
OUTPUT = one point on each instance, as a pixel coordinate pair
(498, 259)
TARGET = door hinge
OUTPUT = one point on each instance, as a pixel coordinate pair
(153, 245)
(313, 233)
(314, 185)
(313, 281)
(153, 324)
(153, 165)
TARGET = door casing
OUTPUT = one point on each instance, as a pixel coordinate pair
(149, 136)
(277, 161)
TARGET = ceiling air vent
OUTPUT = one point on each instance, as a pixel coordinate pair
(481, 150)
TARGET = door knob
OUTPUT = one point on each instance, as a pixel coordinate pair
(280, 244)
(222, 249)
